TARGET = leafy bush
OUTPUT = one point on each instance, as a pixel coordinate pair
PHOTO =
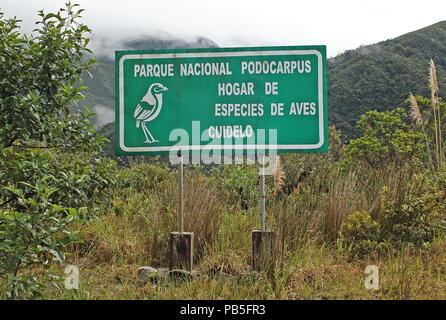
(49, 164)
(415, 215)
(143, 178)
(410, 214)
(387, 138)
(239, 183)
(34, 235)
(359, 235)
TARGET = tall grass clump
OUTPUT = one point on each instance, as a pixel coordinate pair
(435, 91)
(144, 212)
(419, 120)
(204, 209)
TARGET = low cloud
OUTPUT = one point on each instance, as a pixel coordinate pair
(341, 25)
(103, 115)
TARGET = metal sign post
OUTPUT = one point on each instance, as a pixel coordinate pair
(181, 244)
(181, 194)
(263, 241)
(262, 193)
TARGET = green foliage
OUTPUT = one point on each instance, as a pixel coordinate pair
(240, 183)
(36, 235)
(387, 138)
(411, 214)
(382, 75)
(39, 80)
(414, 215)
(359, 235)
(80, 175)
(413, 211)
(49, 164)
(146, 178)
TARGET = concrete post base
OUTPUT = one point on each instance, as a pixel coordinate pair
(181, 250)
(263, 251)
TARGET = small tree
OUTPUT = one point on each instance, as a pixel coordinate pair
(50, 167)
(387, 138)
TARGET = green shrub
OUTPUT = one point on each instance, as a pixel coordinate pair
(387, 138)
(359, 235)
(146, 178)
(240, 183)
(50, 171)
(414, 215)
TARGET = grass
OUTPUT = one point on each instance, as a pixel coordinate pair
(133, 231)
(117, 246)
(316, 273)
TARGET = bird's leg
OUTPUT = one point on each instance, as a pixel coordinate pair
(153, 140)
(144, 129)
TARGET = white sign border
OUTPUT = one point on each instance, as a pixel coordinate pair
(221, 54)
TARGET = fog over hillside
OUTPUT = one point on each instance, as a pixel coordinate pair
(104, 46)
(99, 97)
(377, 76)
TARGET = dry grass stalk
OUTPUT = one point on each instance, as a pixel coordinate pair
(417, 117)
(433, 82)
(415, 110)
(345, 195)
(279, 177)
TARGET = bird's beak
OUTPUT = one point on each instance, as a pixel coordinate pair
(164, 89)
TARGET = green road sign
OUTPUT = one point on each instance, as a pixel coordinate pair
(231, 99)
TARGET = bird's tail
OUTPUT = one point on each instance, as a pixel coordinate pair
(137, 112)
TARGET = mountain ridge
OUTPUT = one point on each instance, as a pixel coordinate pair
(377, 76)
(380, 76)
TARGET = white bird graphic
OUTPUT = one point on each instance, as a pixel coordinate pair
(148, 108)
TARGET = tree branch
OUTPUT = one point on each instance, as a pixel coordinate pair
(38, 147)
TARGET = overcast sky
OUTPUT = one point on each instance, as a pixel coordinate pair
(339, 24)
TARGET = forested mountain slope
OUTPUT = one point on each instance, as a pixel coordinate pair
(380, 76)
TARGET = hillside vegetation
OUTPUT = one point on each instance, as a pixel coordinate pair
(374, 77)
(380, 76)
